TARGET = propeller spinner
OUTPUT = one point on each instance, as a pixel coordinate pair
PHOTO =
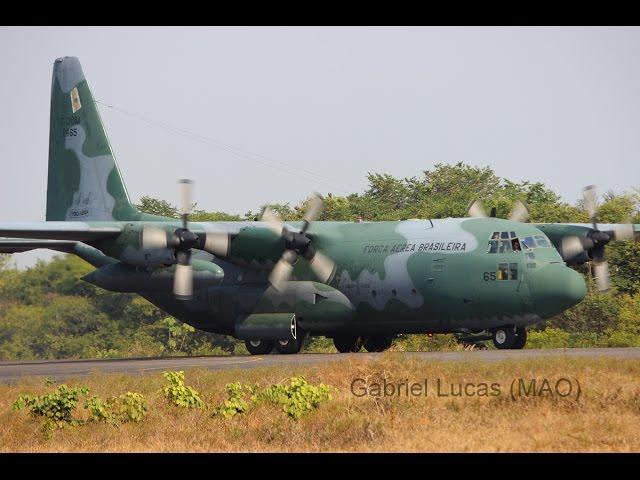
(182, 240)
(592, 246)
(298, 244)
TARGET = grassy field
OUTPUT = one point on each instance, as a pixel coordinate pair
(603, 417)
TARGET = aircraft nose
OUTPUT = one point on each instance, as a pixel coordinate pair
(555, 288)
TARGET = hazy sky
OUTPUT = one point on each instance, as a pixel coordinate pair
(557, 105)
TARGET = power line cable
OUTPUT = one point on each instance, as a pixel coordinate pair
(240, 152)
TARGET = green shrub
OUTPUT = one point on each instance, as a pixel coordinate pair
(297, 398)
(550, 337)
(622, 339)
(236, 403)
(55, 408)
(179, 394)
(128, 407)
(98, 409)
(426, 343)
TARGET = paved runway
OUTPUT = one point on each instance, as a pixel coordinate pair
(59, 369)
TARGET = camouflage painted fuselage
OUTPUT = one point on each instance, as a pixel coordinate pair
(394, 277)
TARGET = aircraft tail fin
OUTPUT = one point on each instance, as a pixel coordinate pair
(84, 181)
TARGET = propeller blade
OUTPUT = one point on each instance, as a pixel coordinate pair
(273, 219)
(601, 273)
(476, 209)
(186, 204)
(154, 237)
(183, 282)
(590, 199)
(217, 243)
(322, 266)
(571, 247)
(314, 208)
(623, 232)
(519, 213)
(282, 270)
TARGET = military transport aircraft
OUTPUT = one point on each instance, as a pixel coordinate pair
(271, 283)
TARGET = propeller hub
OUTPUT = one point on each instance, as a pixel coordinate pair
(297, 241)
(186, 239)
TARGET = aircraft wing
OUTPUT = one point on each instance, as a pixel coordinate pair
(79, 231)
(617, 231)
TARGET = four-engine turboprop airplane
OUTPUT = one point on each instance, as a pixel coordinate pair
(271, 283)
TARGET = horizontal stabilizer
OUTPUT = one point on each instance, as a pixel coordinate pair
(57, 231)
(14, 245)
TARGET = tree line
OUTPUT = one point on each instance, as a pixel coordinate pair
(47, 312)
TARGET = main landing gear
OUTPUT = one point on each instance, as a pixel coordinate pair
(259, 347)
(348, 344)
(290, 346)
(355, 344)
(509, 337)
(264, 347)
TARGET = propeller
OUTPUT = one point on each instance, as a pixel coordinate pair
(182, 240)
(298, 244)
(592, 246)
(519, 212)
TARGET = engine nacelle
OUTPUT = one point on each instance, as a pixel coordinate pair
(123, 278)
(128, 248)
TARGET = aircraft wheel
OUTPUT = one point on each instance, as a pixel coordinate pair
(377, 343)
(504, 337)
(521, 338)
(348, 344)
(259, 347)
(289, 346)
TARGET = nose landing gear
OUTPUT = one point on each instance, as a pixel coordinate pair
(509, 337)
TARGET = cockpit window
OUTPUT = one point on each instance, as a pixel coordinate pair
(505, 246)
(505, 242)
(541, 241)
(508, 242)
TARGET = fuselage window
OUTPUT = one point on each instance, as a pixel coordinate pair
(515, 244)
(493, 246)
(513, 269)
(530, 256)
(503, 271)
(507, 271)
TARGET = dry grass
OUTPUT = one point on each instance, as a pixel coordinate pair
(606, 417)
